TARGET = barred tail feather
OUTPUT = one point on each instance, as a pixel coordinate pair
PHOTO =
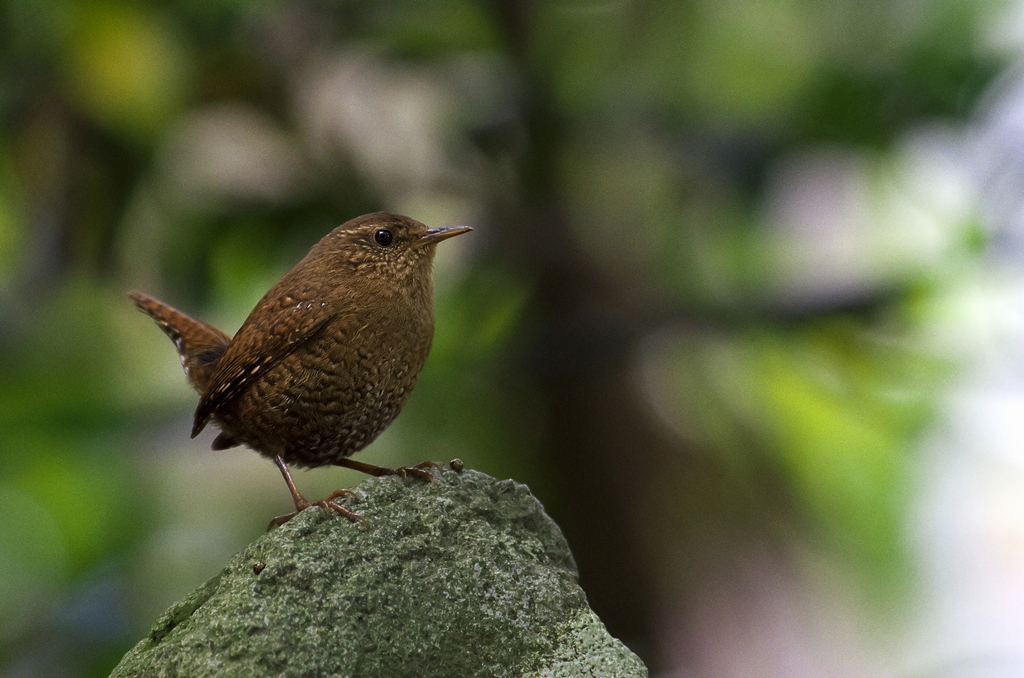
(199, 345)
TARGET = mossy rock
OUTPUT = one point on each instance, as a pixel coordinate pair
(464, 576)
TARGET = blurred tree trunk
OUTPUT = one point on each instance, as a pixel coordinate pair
(598, 446)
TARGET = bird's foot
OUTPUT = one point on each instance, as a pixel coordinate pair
(326, 503)
(301, 503)
(419, 470)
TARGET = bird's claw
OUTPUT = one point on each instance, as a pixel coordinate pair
(419, 470)
(328, 503)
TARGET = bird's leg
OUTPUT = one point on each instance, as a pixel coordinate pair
(301, 503)
(419, 470)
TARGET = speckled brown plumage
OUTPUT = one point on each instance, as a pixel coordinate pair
(328, 357)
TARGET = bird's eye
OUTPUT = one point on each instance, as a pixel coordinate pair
(383, 237)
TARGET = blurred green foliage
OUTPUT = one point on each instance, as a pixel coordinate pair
(630, 330)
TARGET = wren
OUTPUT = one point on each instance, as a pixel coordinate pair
(329, 356)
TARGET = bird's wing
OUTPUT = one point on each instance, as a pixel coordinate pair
(279, 324)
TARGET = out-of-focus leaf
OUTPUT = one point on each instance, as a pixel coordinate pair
(423, 28)
(13, 226)
(732, 62)
(836, 409)
(128, 66)
(33, 559)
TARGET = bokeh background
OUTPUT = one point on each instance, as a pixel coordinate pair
(743, 305)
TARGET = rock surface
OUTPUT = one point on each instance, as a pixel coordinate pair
(464, 576)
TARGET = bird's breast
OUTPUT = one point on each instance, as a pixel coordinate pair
(334, 394)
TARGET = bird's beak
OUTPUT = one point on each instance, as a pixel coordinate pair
(436, 235)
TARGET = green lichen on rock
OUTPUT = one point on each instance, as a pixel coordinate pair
(464, 576)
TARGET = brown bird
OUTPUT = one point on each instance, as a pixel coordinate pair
(329, 356)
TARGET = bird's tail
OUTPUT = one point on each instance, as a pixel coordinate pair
(199, 345)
